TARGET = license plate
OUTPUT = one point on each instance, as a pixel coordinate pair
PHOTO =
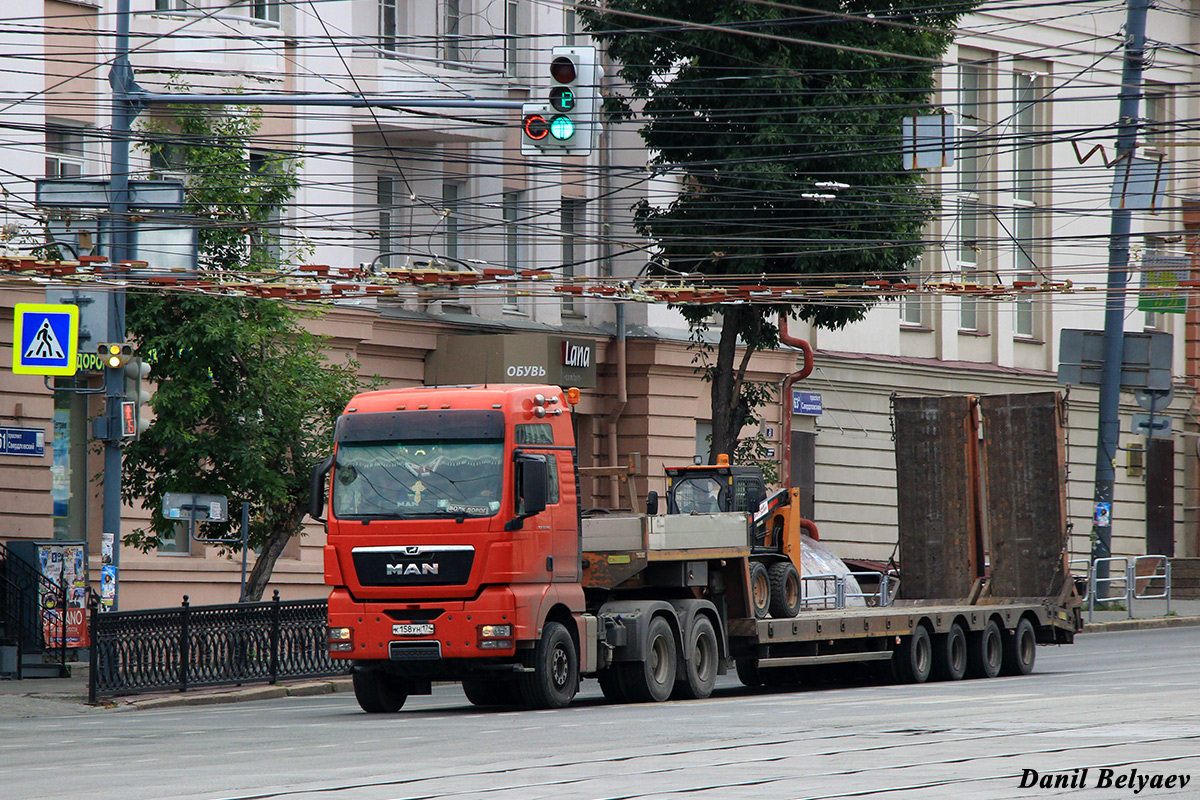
(413, 629)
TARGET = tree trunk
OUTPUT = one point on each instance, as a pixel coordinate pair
(264, 565)
(728, 410)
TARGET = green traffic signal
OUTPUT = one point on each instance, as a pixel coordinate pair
(562, 128)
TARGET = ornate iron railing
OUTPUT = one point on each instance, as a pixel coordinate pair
(192, 646)
(32, 612)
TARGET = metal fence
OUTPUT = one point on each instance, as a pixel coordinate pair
(835, 589)
(1130, 578)
(193, 646)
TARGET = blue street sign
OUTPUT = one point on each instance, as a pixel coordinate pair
(22, 442)
(806, 403)
(45, 339)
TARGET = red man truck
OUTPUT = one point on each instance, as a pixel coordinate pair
(457, 551)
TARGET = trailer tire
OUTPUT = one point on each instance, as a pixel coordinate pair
(1020, 650)
(747, 672)
(950, 654)
(377, 692)
(700, 662)
(985, 651)
(913, 659)
(555, 676)
(652, 679)
(760, 590)
(491, 692)
(785, 590)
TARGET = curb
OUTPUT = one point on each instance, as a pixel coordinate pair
(1140, 624)
(218, 697)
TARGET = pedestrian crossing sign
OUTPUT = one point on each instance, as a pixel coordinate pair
(45, 339)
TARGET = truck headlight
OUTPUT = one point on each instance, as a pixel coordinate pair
(495, 637)
(341, 640)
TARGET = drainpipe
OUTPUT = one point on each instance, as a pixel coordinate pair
(619, 406)
(785, 397)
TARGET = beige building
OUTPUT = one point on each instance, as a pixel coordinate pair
(388, 187)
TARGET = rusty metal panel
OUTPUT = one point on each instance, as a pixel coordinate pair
(1024, 460)
(937, 496)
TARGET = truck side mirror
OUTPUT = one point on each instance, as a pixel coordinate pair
(531, 487)
(316, 489)
(652, 504)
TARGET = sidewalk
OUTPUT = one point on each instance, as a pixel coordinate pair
(37, 697)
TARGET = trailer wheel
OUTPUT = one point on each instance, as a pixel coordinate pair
(785, 590)
(985, 651)
(555, 676)
(950, 654)
(653, 679)
(378, 692)
(1020, 650)
(760, 590)
(491, 692)
(747, 672)
(700, 667)
(913, 659)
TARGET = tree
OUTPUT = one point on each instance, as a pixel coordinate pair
(751, 105)
(245, 398)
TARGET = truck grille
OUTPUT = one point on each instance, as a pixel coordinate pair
(444, 565)
(414, 651)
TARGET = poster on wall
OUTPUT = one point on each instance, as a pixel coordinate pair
(63, 563)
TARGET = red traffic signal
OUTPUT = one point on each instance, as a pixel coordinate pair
(536, 126)
(562, 69)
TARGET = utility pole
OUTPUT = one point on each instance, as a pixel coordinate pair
(1109, 428)
(128, 100)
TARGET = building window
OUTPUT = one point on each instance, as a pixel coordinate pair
(177, 542)
(572, 221)
(570, 24)
(264, 10)
(1156, 127)
(1025, 126)
(451, 28)
(968, 261)
(514, 242)
(911, 311)
(389, 40)
(451, 209)
(970, 124)
(171, 5)
(386, 194)
(512, 38)
(266, 239)
(1023, 245)
(66, 152)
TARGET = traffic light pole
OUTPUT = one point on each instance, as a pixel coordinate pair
(1109, 428)
(127, 101)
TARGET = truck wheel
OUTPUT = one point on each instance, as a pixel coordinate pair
(950, 654)
(914, 657)
(378, 692)
(985, 652)
(611, 685)
(701, 666)
(785, 590)
(1020, 650)
(653, 679)
(760, 590)
(491, 692)
(747, 672)
(555, 676)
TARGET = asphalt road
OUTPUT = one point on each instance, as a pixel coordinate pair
(1114, 702)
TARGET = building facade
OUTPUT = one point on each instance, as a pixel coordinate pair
(1025, 202)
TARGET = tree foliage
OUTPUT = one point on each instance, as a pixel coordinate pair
(245, 398)
(751, 105)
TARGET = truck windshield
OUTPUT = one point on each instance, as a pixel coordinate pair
(698, 495)
(398, 480)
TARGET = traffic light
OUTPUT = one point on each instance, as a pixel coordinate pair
(566, 123)
(135, 408)
(114, 354)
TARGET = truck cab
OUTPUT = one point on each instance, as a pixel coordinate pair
(452, 538)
